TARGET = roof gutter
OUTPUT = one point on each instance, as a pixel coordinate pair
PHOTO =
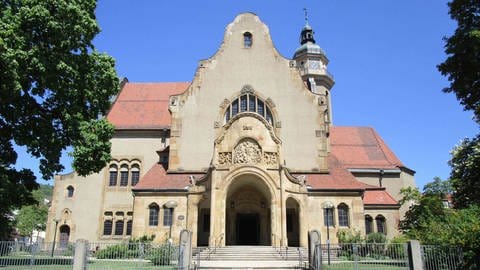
(380, 171)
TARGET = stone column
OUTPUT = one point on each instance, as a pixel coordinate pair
(192, 222)
(217, 212)
(302, 227)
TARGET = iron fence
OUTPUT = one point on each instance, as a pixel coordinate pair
(360, 256)
(24, 255)
(437, 257)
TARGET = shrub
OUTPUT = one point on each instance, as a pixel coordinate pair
(161, 255)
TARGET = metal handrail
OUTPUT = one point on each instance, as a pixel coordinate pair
(216, 243)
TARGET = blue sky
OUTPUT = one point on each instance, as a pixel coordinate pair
(383, 55)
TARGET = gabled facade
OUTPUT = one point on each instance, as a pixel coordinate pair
(245, 153)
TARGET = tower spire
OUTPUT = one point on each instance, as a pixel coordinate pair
(307, 32)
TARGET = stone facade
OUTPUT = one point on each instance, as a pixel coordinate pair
(243, 154)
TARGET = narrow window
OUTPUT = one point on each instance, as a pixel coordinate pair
(227, 114)
(167, 216)
(124, 175)
(153, 215)
(70, 191)
(260, 110)
(380, 220)
(135, 174)
(247, 40)
(368, 224)
(328, 217)
(243, 103)
(251, 103)
(107, 227)
(234, 107)
(343, 215)
(119, 227)
(129, 227)
(269, 116)
(113, 176)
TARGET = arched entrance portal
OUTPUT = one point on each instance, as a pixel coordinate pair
(64, 236)
(248, 217)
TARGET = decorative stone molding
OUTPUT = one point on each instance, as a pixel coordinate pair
(224, 158)
(216, 124)
(247, 152)
(270, 158)
(269, 101)
(225, 103)
(247, 89)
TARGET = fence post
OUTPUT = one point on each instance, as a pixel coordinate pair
(80, 256)
(415, 255)
(185, 250)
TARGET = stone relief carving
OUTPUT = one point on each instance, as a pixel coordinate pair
(270, 158)
(302, 180)
(247, 152)
(224, 158)
(247, 89)
(225, 103)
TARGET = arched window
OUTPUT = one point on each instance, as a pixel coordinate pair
(247, 40)
(153, 210)
(328, 217)
(70, 191)
(135, 174)
(167, 216)
(119, 227)
(380, 221)
(343, 215)
(113, 175)
(107, 227)
(129, 227)
(124, 175)
(248, 103)
(368, 224)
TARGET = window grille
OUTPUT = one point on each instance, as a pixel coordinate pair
(129, 227)
(368, 224)
(167, 216)
(107, 227)
(119, 227)
(343, 215)
(153, 215)
(380, 220)
(328, 216)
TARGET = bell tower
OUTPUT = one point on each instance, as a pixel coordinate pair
(312, 62)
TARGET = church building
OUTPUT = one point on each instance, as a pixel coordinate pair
(244, 154)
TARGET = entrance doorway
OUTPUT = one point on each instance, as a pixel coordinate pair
(248, 228)
(248, 217)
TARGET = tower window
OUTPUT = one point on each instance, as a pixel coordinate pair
(124, 175)
(247, 40)
(119, 227)
(107, 227)
(113, 176)
(135, 175)
(70, 191)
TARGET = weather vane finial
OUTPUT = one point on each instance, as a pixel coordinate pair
(306, 15)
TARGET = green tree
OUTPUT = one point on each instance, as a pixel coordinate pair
(438, 187)
(465, 174)
(462, 66)
(54, 88)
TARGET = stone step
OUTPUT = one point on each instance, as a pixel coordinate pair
(242, 264)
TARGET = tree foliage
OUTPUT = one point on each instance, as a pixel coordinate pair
(428, 221)
(462, 67)
(465, 174)
(54, 86)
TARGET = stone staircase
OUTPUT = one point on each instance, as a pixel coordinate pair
(250, 257)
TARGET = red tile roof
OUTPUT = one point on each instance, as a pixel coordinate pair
(144, 105)
(338, 178)
(361, 148)
(158, 179)
(378, 197)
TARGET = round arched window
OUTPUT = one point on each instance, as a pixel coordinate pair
(248, 103)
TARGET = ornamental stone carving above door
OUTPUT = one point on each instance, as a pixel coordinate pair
(247, 152)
